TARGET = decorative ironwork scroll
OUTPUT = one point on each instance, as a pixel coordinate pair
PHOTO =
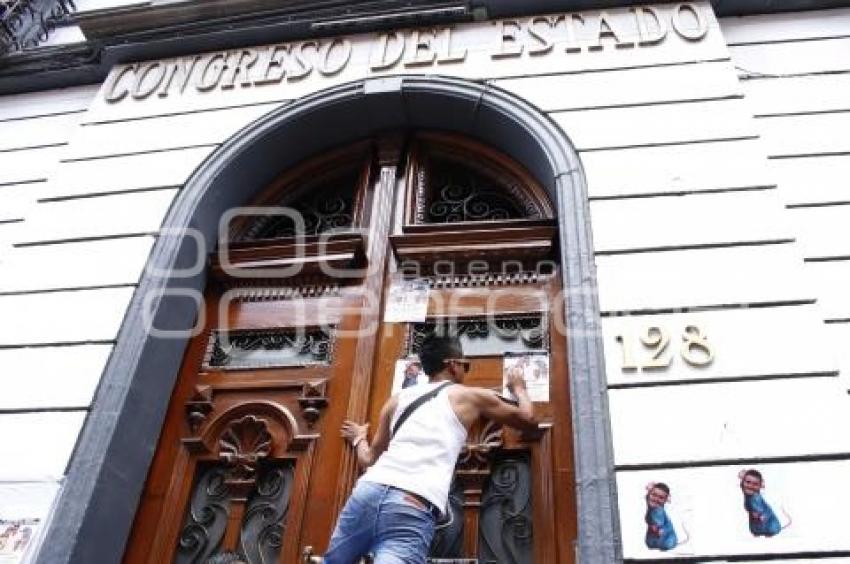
(457, 193)
(27, 23)
(206, 521)
(299, 346)
(487, 336)
(506, 513)
(262, 527)
(321, 209)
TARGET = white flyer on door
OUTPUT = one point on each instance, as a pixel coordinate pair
(407, 301)
(535, 371)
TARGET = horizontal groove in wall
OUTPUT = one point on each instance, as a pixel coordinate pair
(17, 182)
(802, 113)
(733, 462)
(754, 75)
(59, 344)
(599, 70)
(669, 143)
(642, 104)
(147, 152)
(32, 147)
(809, 155)
(25, 482)
(837, 320)
(84, 239)
(68, 289)
(695, 247)
(713, 307)
(789, 40)
(11, 221)
(719, 380)
(47, 114)
(108, 193)
(33, 410)
(279, 102)
(684, 193)
(817, 204)
(780, 556)
(839, 258)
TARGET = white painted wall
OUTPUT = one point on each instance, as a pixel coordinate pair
(793, 69)
(47, 389)
(686, 215)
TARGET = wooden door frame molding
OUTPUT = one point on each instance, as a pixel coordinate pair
(95, 510)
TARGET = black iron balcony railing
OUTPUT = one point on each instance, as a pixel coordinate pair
(28, 23)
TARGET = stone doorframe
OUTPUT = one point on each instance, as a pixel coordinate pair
(95, 510)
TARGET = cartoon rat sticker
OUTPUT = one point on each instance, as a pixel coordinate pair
(660, 534)
(763, 521)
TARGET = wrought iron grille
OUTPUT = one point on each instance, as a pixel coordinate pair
(505, 533)
(486, 336)
(262, 527)
(28, 23)
(206, 519)
(505, 530)
(296, 346)
(457, 193)
(321, 209)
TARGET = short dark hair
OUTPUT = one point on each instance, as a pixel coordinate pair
(436, 349)
(662, 486)
(754, 473)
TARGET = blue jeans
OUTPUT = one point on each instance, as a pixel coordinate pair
(385, 522)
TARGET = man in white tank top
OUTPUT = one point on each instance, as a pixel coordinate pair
(410, 462)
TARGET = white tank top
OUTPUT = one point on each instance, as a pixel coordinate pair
(421, 457)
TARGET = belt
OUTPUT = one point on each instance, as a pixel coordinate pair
(433, 509)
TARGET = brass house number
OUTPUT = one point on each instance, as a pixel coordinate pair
(655, 352)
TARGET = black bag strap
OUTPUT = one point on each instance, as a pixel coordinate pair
(414, 405)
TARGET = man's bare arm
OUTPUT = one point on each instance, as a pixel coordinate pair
(520, 416)
(357, 435)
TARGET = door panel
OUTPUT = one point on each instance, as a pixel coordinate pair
(242, 441)
(503, 500)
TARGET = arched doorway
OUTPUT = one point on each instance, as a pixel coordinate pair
(302, 331)
(114, 452)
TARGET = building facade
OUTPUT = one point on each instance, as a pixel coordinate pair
(652, 202)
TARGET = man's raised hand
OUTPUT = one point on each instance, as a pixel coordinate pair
(516, 379)
(354, 432)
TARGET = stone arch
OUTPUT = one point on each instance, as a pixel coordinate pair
(95, 510)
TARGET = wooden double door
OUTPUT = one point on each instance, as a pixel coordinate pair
(304, 326)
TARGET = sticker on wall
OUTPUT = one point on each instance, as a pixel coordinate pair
(15, 537)
(535, 371)
(407, 301)
(761, 516)
(408, 372)
(660, 532)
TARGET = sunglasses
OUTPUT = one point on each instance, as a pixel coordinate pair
(462, 361)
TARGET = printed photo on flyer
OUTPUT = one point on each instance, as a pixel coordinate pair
(535, 367)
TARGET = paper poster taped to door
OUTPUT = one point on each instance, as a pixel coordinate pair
(535, 368)
(407, 301)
